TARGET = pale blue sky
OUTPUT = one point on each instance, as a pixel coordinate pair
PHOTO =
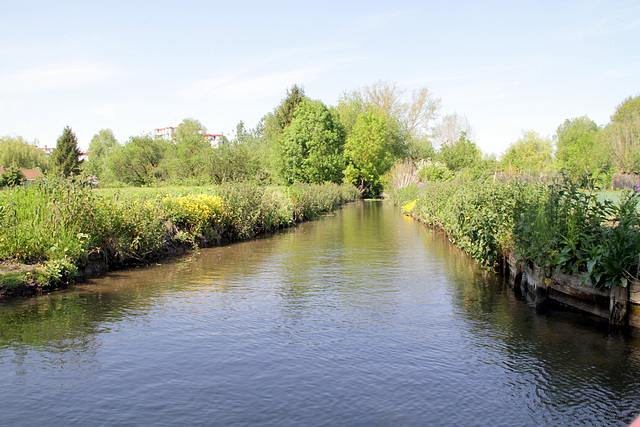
(133, 66)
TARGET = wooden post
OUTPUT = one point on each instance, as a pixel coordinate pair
(618, 302)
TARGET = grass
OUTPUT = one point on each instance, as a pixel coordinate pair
(63, 227)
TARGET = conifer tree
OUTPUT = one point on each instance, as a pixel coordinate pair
(65, 156)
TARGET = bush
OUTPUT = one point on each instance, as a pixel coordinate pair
(11, 177)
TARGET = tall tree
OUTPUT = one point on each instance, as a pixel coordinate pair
(409, 115)
(66, 155)
(576, 139)
(531, 153)
(312, 145)
(624, 136)
(460, 154)
(368, 152)
(189, 155)
(16, 151)
(101, 146)
(276, 122)
(138, 161)
(450, 127)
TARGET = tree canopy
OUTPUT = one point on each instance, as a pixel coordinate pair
(16, 151)
(368, 152)
(66, 155)
(531, 153)
(575, 138)
(312, 145)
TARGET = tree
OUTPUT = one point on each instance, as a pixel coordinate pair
(409, 116)
(312, 145)
(189, 155)
(11, 177)
(460, 154)
(450, 127)
(101, 146)
(531, 153)
(15, 151)
(576, 140)
(368, 152)
(416, 112)
(66, 155)
(275, 123)
(189, 129)
(138, 161)
(624, 136)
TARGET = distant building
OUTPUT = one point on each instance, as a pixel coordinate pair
(216, 140)
(47, 150)
(166, 133)
(30, 174)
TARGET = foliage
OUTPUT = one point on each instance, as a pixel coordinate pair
(575, 137)
(11, 177)
(312, 145)
(460, 154)
(408, 117)
(64, 225)
(430, 170)
(450, 128)
(530, 154)
(623, 136)
(562, 227)
(15, 151)
(101, 146)
(195, 212)
(137, 162)
(368, 152)
(276, 122)
(66, 155)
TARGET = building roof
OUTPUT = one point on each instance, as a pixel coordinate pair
(28, 173)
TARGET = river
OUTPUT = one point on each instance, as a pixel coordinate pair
(363, 317)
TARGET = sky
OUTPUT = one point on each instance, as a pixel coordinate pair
(133, 66)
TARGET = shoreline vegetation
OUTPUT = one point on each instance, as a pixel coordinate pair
(555, 233)
(55, 233)
(561, 227)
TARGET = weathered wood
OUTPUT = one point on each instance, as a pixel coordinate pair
(618, 305)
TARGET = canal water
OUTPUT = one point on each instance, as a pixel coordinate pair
(363, 317)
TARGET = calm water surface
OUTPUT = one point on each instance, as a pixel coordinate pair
(361, 318)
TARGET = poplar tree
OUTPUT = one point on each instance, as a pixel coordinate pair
(65, 156)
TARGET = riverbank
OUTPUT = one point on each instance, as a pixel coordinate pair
(53, 234)
(541, 234)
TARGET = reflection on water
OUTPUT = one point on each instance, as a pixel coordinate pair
(363, 317)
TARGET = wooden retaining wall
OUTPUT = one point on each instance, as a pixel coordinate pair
(621, 306)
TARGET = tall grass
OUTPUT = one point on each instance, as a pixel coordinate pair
(560, 227)
(64, 226)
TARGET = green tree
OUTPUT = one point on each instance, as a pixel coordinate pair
(138, 161)
(369, 152)
(101, 146)
(312, 145)
(624, 136)
(530, 154)
(409, 116)
(11, 177)
(460, 154)
(189, 155)
(15, 151)
(66, 155)
(276, 122)
(575, 147)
